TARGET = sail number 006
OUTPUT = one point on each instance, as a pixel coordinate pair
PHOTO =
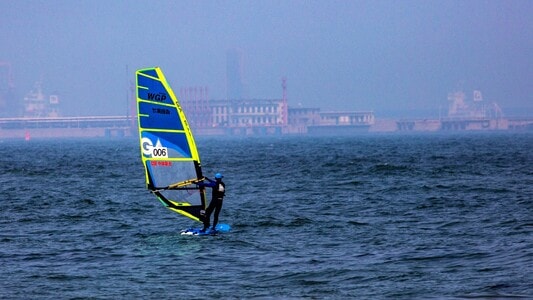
(160, 152)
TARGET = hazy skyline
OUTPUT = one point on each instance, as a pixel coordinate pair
(337, 55)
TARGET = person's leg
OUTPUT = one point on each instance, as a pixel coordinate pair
(208, 212)
(217, 211)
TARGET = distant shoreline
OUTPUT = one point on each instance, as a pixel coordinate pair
(122, 126)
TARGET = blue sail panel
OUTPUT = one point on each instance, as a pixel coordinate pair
(149, 72)
(152, 89)
(155, 116)
(176, 145)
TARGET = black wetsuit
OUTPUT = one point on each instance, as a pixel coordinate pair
(219, 190)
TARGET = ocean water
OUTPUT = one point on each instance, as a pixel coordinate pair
(366, 217)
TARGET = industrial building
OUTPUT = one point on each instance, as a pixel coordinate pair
(265, 116)
(38, 115)
(462, 115)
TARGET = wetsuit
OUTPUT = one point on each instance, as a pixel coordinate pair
(219, 190)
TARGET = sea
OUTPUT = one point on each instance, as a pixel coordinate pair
(369, 216)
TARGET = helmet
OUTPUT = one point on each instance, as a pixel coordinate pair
(218, 176)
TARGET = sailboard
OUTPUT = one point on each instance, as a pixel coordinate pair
(198, 231)
(168, 150)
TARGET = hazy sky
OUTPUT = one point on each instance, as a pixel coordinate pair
(336, 55)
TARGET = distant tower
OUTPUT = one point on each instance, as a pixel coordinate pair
(234, 74)
(9, 106)
(285, 107)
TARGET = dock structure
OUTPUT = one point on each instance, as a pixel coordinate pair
(343, 122)
(226, 117)
(301, 122)
(67, 127)
(463, 115)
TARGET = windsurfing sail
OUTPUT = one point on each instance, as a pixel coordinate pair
(169, 155)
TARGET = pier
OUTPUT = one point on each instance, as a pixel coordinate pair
(67, 127)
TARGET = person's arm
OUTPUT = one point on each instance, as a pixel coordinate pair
(210, 183)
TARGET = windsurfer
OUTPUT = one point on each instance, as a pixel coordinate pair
(219, 189)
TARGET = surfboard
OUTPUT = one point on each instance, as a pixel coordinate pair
(220, 228)
(168, 151)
